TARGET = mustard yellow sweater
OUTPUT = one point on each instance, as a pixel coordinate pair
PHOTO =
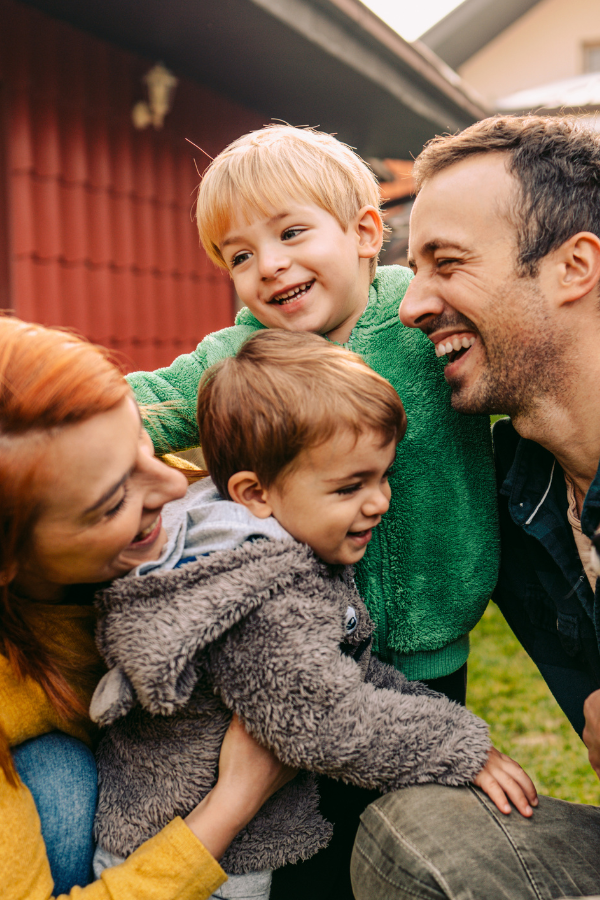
(173, 865)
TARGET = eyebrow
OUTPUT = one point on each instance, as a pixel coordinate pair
(350, 477)
(108, 494)
(353, 475)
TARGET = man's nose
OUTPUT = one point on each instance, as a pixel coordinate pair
(420, 303)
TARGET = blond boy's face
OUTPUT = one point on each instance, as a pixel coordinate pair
(297, 269)
(336, 495)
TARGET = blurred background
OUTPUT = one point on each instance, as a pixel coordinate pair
(99, 98)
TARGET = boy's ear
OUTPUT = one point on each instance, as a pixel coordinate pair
(245, 488)
(370, 232)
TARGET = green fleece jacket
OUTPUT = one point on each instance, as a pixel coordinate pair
(432, 563)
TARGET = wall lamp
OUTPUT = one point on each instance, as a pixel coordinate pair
(161, 86)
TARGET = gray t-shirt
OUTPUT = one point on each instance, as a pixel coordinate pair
(202, 522)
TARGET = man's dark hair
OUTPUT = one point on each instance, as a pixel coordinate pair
(556, 161)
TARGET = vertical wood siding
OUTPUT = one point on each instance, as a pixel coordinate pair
(97, 214)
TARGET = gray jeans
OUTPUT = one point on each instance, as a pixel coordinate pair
(431, 842)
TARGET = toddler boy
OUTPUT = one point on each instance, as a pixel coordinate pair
(251, 608)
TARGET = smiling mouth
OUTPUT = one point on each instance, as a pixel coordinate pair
(455, 346)
(148, 532)
(289, 296)
(361, 536)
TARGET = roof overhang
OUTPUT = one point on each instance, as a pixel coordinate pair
(578, 96)
(464, 31)
(328, 63)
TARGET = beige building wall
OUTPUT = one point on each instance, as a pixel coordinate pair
(544, 45)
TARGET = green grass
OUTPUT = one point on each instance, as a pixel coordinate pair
(506, 689)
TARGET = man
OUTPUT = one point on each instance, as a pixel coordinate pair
(505, 247)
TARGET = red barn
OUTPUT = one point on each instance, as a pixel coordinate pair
(95, 214)
(95, 225)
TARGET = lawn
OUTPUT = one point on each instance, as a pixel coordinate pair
(506, 690)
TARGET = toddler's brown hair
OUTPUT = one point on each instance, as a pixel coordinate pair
(284, 393)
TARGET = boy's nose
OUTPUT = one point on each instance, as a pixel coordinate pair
(419, 304)
(377, 503)
(272, 263)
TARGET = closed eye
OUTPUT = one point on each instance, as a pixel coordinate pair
(349, 489)
(447, 262)
(110, 513)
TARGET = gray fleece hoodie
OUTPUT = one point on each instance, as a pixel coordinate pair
(262, 627)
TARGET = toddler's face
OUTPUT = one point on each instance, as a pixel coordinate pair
(297, 269)
(337, 495)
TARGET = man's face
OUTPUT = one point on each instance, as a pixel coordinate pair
(494, 327)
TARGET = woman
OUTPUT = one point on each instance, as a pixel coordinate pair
(80, 501)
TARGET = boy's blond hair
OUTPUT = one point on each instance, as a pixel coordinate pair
(284, 393)
(269, 167)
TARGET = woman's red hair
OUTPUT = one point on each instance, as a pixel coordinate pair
(48, 379)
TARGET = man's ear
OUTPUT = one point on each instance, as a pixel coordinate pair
(578, 266)
(369, 228)
(246, 489)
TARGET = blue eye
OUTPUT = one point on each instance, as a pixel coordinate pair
(239, 258)
(290, 233)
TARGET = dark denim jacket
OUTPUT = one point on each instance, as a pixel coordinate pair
(542, 589)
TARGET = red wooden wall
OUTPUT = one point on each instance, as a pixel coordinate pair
(97, 214)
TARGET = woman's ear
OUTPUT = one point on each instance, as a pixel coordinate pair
(245, 488)
(370, 232)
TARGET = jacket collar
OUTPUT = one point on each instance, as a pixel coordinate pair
(535, 481)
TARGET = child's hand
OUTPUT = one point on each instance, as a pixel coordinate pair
(503, 779)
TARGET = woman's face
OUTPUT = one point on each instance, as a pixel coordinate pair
(102, 494)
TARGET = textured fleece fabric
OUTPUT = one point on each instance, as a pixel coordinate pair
(269, 631)
(432, 564)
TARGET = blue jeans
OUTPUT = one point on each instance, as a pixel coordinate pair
(61, 774)
(431, 842)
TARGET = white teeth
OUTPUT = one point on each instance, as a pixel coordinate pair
(144, 534)
(289, 295)
(455, 343)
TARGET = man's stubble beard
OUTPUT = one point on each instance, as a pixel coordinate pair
(525, 359)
